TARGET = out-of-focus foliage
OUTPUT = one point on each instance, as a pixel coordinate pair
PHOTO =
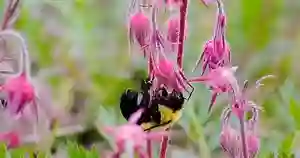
(79, 48)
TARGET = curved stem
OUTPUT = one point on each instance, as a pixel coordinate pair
(243, 135)
(183, 10)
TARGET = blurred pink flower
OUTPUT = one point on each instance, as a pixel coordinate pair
(20, 93)
(12, 139)
(216, 51)
(133, 134)
(18, 89)
(140, 30)
(220, 80)
(173, 32)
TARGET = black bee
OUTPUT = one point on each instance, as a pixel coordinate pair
(162, 109)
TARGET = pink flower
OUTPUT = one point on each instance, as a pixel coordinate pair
(173, 32)
(166, 73)
(253, 144)
(220, 80)
(140, 29)
(12, 139)
(216, 52)
(131, 133)
(229, 140)
(229, 137)
(20, 93)
(241, 103)
(210, 59)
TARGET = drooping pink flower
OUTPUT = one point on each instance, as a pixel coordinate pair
(163, 70)
(220, 80)
(18, 89)
(229, 137)
(133, 134)
(216, 51)
(253, 144)
(20, 93)
(173, 32)
(210, 59)
(140, 30)
(166, 73)
(12, 139)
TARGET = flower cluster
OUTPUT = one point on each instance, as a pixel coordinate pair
(162, 46)
(159, 46)
(219, 75)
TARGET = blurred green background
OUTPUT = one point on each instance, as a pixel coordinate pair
(79, 50)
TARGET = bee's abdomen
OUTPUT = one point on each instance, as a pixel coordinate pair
(128, 103)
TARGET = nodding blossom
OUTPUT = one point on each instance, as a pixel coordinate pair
(173, 2)
(166, 73)
(220, 80)
(216, 51)
(140, 30)
(173, 32)
(19, 91)
(133, 135)
(230, 138)
(10, 14)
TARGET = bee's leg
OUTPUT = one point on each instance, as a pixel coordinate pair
(189, 84)
(158, 125)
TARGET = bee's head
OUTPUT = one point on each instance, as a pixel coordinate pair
(129, 103)
(176, 99)
(146, 85)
